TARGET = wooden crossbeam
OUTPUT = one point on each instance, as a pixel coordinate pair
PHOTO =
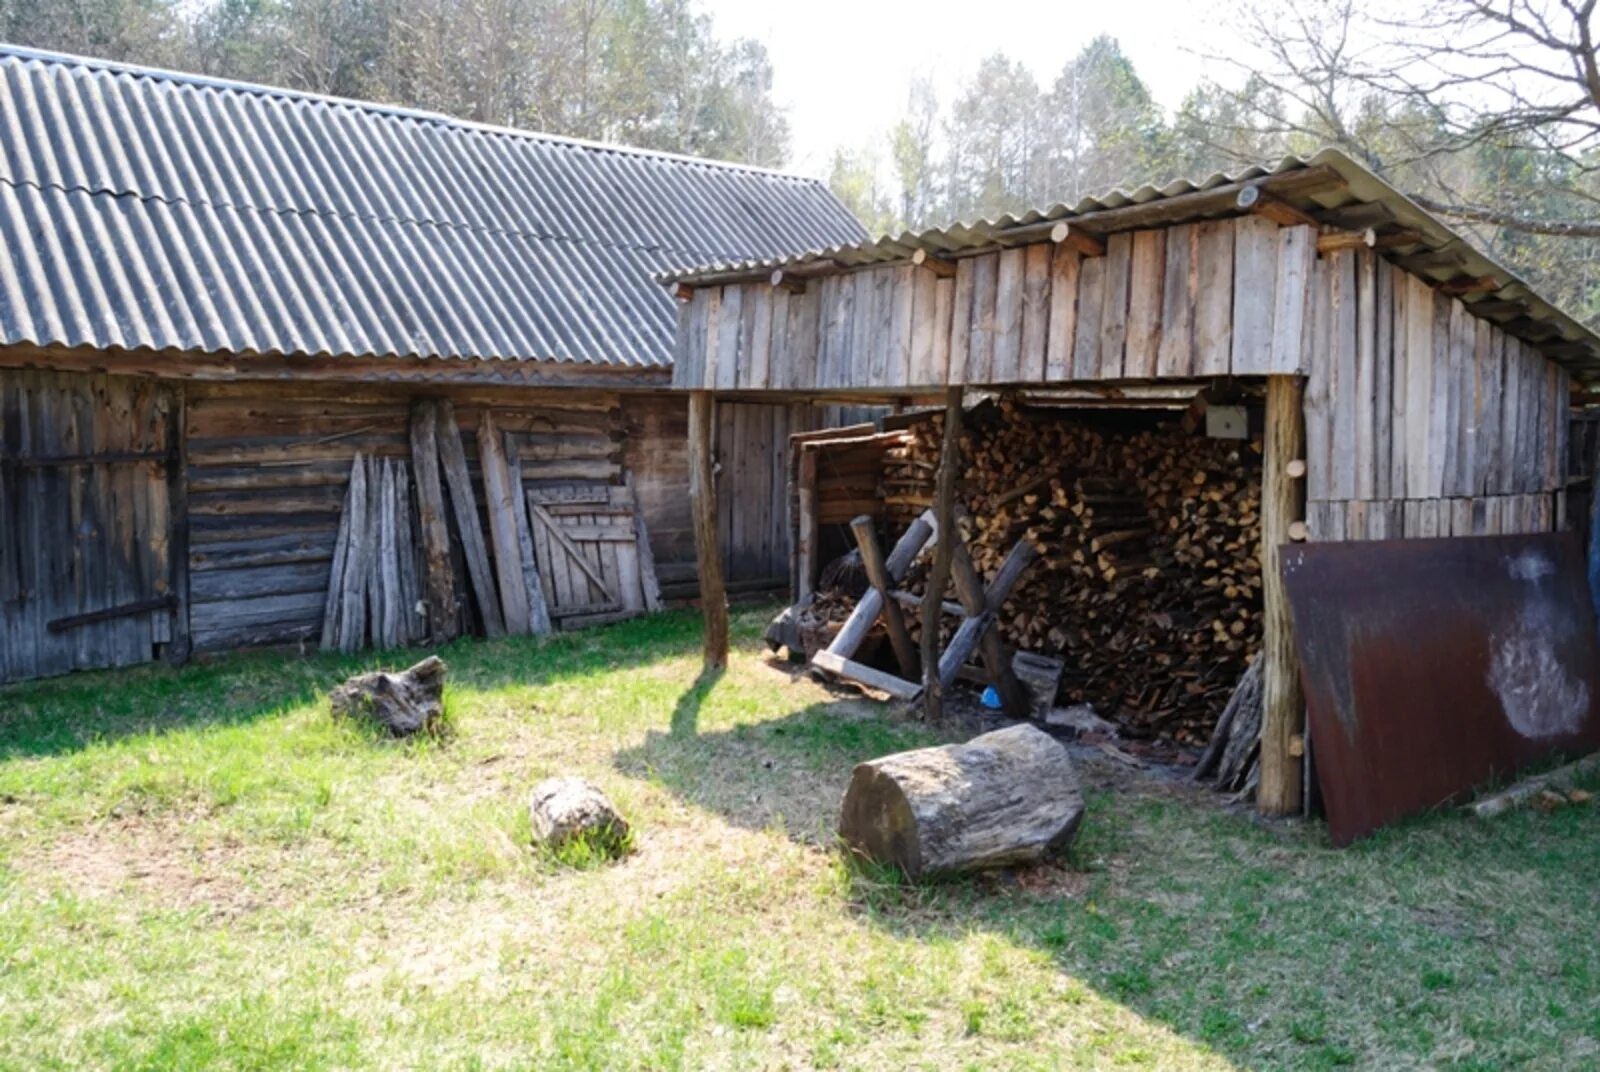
(905, 652)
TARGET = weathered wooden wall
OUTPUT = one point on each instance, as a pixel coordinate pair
(1421, 419)
(268, 467)
(1217, 298)
(84, 520)
(752, 451)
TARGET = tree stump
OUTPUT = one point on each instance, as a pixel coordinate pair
(405, 703)
(1006, 797)
(564, 810)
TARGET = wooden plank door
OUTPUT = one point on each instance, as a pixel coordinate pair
(86, 534)
(752, 451)
(588, 543)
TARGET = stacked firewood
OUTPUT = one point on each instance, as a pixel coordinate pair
(1148, 582)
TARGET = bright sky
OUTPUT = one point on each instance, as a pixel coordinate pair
(843, 67)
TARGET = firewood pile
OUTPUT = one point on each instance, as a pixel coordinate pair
(1149, 581)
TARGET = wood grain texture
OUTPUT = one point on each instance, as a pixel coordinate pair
(1213, 313)
(1146, 280)
(1255, 281)
(1064, 270)
(1175, 356)
(1114, 304)
(1283, 712)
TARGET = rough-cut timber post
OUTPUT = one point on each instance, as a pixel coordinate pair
(443, 616)
(944, 505)
(905, 652)
(1282, 504)
(703, 505)
(1003, 798)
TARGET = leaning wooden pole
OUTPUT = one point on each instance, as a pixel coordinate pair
(944, 505)
(703, 505)
(1282, 505)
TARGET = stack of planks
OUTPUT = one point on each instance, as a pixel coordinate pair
(1149, 580)
(375, 581)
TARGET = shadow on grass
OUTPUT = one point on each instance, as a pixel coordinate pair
(686, 712)
(64, 714)
(1258, 943)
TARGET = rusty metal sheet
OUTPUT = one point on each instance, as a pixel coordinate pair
(1432, 666)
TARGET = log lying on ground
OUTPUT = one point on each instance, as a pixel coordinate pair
(1515, 796)
(1006, 797)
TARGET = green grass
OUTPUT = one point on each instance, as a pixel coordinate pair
(201, 869)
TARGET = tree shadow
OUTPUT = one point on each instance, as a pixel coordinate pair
(66, 714)
(686, 712)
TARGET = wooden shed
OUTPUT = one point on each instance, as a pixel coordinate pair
(1404, 384)
(215, 296)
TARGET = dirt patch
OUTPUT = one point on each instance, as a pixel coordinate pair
(156, 863)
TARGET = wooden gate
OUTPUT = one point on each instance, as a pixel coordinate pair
(86, 537)
(593, 552)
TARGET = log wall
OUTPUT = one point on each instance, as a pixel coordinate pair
(267, 473)
(1421, 419)
(1217, 298)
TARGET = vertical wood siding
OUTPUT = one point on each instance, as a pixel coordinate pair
(1422, 420)
(1218, 298)
(85, 521)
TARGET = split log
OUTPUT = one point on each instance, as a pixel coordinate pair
(1231, 755)
(453, 456)
(503, 502)
(1006, 797)
(443, 613)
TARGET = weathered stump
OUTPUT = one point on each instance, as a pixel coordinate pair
(1006, 797)
(405, 703)
(563, 810)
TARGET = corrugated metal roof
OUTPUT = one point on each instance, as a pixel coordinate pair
(148, 209)
(1431, 248)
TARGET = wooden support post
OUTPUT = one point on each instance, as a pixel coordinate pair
(974, 602)
(807, 530)
(905, 653)
(703, 505)
(979, 628)
(1282, 505)
(943, 552)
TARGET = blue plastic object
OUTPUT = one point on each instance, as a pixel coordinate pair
(991, 698)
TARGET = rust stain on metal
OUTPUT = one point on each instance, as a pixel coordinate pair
(1432, 666)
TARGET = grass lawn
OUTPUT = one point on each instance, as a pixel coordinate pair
(200, 869)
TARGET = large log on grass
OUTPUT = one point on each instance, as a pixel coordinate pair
(1006, 797)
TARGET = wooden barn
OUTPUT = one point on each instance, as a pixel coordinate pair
(1378, 377)
(214, 297)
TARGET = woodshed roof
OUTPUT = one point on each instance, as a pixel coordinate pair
(145, 209)
(1329, 188)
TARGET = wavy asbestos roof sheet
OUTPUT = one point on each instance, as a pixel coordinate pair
(148, 209)
(1352, 196)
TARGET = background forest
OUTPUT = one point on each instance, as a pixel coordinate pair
(1486, 113)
